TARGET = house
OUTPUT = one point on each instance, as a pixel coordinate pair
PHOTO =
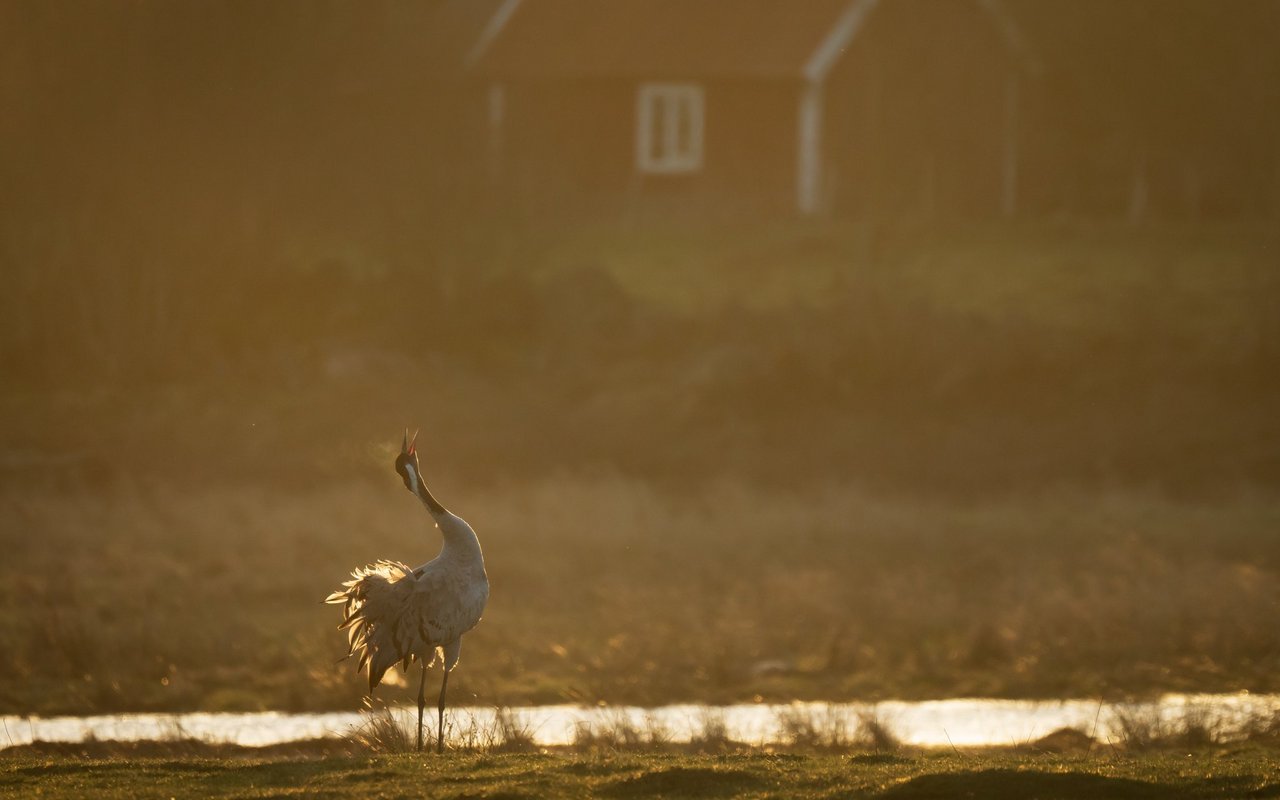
(818, 106)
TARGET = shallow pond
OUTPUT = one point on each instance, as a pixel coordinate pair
(935, 723)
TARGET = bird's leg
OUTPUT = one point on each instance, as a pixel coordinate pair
(440, 720)
(422, 700)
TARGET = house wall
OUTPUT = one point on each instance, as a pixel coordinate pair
(914, 126)
(565, 142)
(916, 115)
(570, 145)
(750, 145)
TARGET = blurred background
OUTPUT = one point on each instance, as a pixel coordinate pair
(837, 349)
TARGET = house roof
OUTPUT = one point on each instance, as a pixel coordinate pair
(541, 39)
(447, 30)
(660, 38)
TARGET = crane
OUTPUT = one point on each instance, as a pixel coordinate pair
(397, 614)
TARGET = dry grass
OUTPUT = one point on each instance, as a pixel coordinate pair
(504, 733)
(619, 732)
(209, 597)
(834, 729)
(381, 732)
(712, 734)
(1264, 729)
(1193, 726)
(386, 732)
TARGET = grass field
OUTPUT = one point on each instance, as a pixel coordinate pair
(820, 461)
(1244, 772)
(209, 597)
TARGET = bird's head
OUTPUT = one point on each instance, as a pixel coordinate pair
(407, 462)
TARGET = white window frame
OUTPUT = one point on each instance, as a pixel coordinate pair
(661, 151)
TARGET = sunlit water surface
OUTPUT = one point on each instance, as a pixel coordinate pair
(937, 723)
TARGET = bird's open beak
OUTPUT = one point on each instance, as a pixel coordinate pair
(408, 444)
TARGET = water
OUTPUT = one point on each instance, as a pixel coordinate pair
(937, 723)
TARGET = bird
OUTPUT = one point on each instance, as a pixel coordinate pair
(397, 614)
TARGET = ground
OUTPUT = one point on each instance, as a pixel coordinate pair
(1232, 773)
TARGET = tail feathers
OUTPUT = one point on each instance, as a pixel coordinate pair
(375, 600)
(378, 666)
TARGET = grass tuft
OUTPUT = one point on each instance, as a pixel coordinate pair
(833, 729)
(1141, 727)
(384, 732)
(618, 731)
(712, 734)
(381, 732)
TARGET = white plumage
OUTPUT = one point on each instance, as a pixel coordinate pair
(395, 614)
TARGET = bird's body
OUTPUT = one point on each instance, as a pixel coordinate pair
(396, 614)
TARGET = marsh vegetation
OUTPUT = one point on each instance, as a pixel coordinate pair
(1038, 464)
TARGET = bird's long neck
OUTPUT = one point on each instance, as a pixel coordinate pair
(421, 491)
(460, 541)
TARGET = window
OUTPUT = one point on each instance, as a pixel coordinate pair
(669, 128)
